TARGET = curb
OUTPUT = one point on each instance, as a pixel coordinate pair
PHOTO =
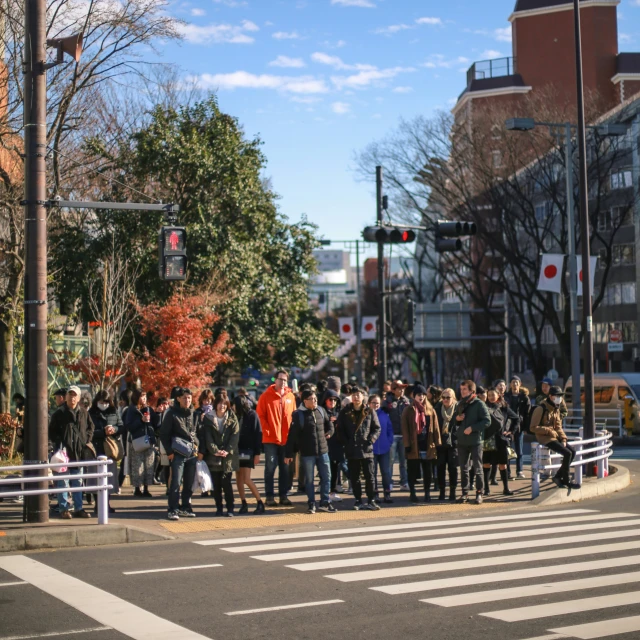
(617, 481)
(49, 538)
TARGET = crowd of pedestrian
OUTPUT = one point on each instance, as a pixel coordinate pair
(336, 436)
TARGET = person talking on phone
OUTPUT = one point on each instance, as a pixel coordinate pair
(138, 425)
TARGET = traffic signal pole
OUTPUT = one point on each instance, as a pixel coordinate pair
(382, 308)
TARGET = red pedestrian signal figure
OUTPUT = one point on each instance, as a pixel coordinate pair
(174, 240)
(173, 253)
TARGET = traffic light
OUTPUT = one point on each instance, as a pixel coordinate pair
(389, 235)
(172, 247)
(448, 235)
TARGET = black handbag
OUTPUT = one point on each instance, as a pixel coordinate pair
(182, 447)
(245, 454)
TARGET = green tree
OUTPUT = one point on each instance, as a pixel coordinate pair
(238, 244)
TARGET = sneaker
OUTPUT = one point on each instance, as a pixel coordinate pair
(575, 485)
(339, 489)
(219, 513)
(312, 508)
(373, 506)
(464, 498)
(173, 515)
(65, 515)
(285, 502)
(507, 492)
(334, 497)
(186, 513)
(330, 508)
(487, 491)
(358, 505)
(270, 502)
(404, 487)
(229, 514)
(521, 476)
(478, 499)
(81, 514)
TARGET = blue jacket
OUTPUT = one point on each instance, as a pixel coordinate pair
(383, 444)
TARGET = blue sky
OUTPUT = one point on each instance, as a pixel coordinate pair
(318, 80)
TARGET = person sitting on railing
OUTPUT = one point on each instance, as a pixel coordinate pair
(546, 425)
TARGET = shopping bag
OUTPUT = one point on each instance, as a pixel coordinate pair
(60, 456)
(202, 481)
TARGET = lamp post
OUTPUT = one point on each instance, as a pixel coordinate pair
(565, 131)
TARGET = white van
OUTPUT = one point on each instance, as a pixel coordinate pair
(614, 391)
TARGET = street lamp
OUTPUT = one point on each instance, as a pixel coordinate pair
(565, 130)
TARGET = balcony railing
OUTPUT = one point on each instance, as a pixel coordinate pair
(491, 69)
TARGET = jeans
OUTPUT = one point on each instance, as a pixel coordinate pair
(465, 453)
(413, 467)
(382, 459)
(63, 498)
(183, 470)
(364, 465)
(336, 468)
(447, 461)
(222, 482)
(398, 447)
(274, 458)
(568, 454)
(518, 445)
(322, 462)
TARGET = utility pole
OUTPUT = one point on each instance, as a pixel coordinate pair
(573, 273)
(35, 230)
(587, 317)
(382, 308)
(359, 368)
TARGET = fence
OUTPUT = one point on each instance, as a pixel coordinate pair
(540, 455)
(101, 487)
(606, 419)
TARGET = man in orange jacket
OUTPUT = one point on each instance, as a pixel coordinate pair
(275, 407)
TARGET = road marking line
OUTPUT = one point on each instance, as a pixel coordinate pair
(553, 636)
(602, 629)
(592, 582)
(11, 584)
(196, 566)
(282, 608)
(462, 551)
(474, 563)
(457, 540)
(52, 634)
(460, 528)
(566, 607)
(95, 603)
(506, 576)
(394, 527)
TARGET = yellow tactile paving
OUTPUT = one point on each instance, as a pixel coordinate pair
(290, 516)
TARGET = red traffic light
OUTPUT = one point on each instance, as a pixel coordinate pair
(389, 235)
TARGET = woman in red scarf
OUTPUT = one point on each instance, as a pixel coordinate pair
(421, 436)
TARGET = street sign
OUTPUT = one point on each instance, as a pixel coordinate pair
(553, 375)
(615, 347)
(615, 335)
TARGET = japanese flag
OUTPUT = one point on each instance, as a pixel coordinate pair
(551, 272)
(594, 263)
(368, 330)
(346, 328)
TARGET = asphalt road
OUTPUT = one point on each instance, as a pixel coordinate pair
(501, 575)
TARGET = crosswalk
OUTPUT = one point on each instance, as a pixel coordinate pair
(543, 568)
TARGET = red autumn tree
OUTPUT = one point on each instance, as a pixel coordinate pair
(183, 348)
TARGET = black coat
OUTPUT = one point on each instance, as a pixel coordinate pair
(101, 420)
(308, 433)
(520, 404)
(395, 408)
(358, 439)
(336, 447)
(178, 423)
(71, 429)
(250, 434)
(136, 426)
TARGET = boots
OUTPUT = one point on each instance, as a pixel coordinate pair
(259, 508)
(244, 508)
(413, 498)
(387, 497)
(505, 483)
(146, 493)
(486, 473)
(494, 470)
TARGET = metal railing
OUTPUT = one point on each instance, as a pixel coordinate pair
(494, 68)
(542, 458)
(101, 487)
(606, 420)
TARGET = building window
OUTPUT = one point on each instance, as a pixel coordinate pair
(543, 210)
(614, 218)
(619, 293)
(628, 329)
(621, 179)
(548, 335)
(623, 254)
(496, 159)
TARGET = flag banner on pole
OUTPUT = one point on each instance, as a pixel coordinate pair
(346, 328)
(551, 269)
(594, 264)
(368, 329)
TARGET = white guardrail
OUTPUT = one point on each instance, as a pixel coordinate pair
(542, 459)
(100, 475)
(605, 419)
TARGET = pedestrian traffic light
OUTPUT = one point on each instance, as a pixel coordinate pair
(448, 235)
(389, 235)
(172, 247)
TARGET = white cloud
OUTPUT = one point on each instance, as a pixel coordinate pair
(232, 3)
(403, 90)
(219, 33)
(305, 100)
(503, 35)
(334, 45)
(341, 108)
(287, 63)
(625, 38)
(198, 12)
(366, 78)
(245, 80)
(432, 21)
(284, 35)
(367, 4)
(438, 61)
(491, 54)
(337, 63)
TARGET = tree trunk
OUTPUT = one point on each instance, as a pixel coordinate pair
(6, 367)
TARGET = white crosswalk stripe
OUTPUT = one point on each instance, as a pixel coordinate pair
(557, 545)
